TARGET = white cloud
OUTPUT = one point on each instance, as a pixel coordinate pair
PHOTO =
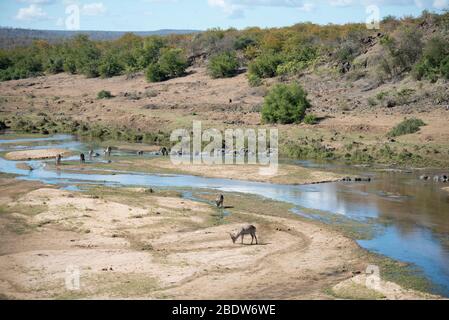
(307, 7)
(93, 9)
(33, 12)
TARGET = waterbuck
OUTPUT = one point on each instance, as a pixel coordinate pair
(247, 229)
(220, 201)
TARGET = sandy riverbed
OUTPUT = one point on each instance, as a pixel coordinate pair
(36, 154)
(134, 243)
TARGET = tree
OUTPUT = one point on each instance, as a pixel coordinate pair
(171, 64)
(223, 65)
(110, 67)
(285, 104)
(265, 66)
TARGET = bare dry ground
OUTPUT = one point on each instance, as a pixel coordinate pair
(36, 154)
(136, 243)
(283, 174)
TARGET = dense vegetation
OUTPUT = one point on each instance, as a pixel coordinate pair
(223, 65)
(285, 104)
(409, 45)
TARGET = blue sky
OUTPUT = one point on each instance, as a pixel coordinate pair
(145, 15)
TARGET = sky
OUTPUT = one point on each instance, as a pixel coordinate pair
(147, 15)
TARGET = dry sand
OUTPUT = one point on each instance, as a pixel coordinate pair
(134, 244)
(36, 154)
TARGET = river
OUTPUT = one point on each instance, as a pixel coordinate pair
(409, 218)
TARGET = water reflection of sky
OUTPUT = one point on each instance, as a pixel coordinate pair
(419, 247)
(415, 213)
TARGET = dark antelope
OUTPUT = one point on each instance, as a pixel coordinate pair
(220, 201)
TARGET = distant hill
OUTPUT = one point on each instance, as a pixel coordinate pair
(12, 37)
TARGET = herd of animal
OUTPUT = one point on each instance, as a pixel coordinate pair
(107, 153)
(437, 178)
(244, 230)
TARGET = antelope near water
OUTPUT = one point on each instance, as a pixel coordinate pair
(247, 229)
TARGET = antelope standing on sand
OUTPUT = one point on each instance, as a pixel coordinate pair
(247, 229)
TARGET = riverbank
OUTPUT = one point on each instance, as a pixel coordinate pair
(347, 129)
(286, 174)
(154, 244)
(36, 154)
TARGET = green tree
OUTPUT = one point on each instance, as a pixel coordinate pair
(171, 64)
(110, 67)
(265, 66)
(285, 104)
(223, 65)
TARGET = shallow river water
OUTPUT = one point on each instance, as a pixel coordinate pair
(409, 218)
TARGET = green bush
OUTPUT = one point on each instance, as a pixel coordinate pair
(223, 65)
(243, 42)
(171, 64)
(110, 67)
(434, 62)
(70, 65)
(254, 80)
(406, 127)
(150, 52)
(265, 66)
(154, 73)
(310, 119)
(55, 65)
(285, 104)
(5, 61)
(103, 94)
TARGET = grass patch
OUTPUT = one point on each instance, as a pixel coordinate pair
(103, 94)
(407, 126)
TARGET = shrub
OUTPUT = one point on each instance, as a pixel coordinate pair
(55, 65)
(223, 65)
(254, 80)
(434, 62)
(402, 52)
(70, 65)
(154, 73)
(90, 69)
(265, 66)
(5, 61)
(285, 104)
(103, 94)
(110, 67)
(243, 42)
(3, 125)
(406, 127)
(171, 64)
(150, 52)
(310, 119)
